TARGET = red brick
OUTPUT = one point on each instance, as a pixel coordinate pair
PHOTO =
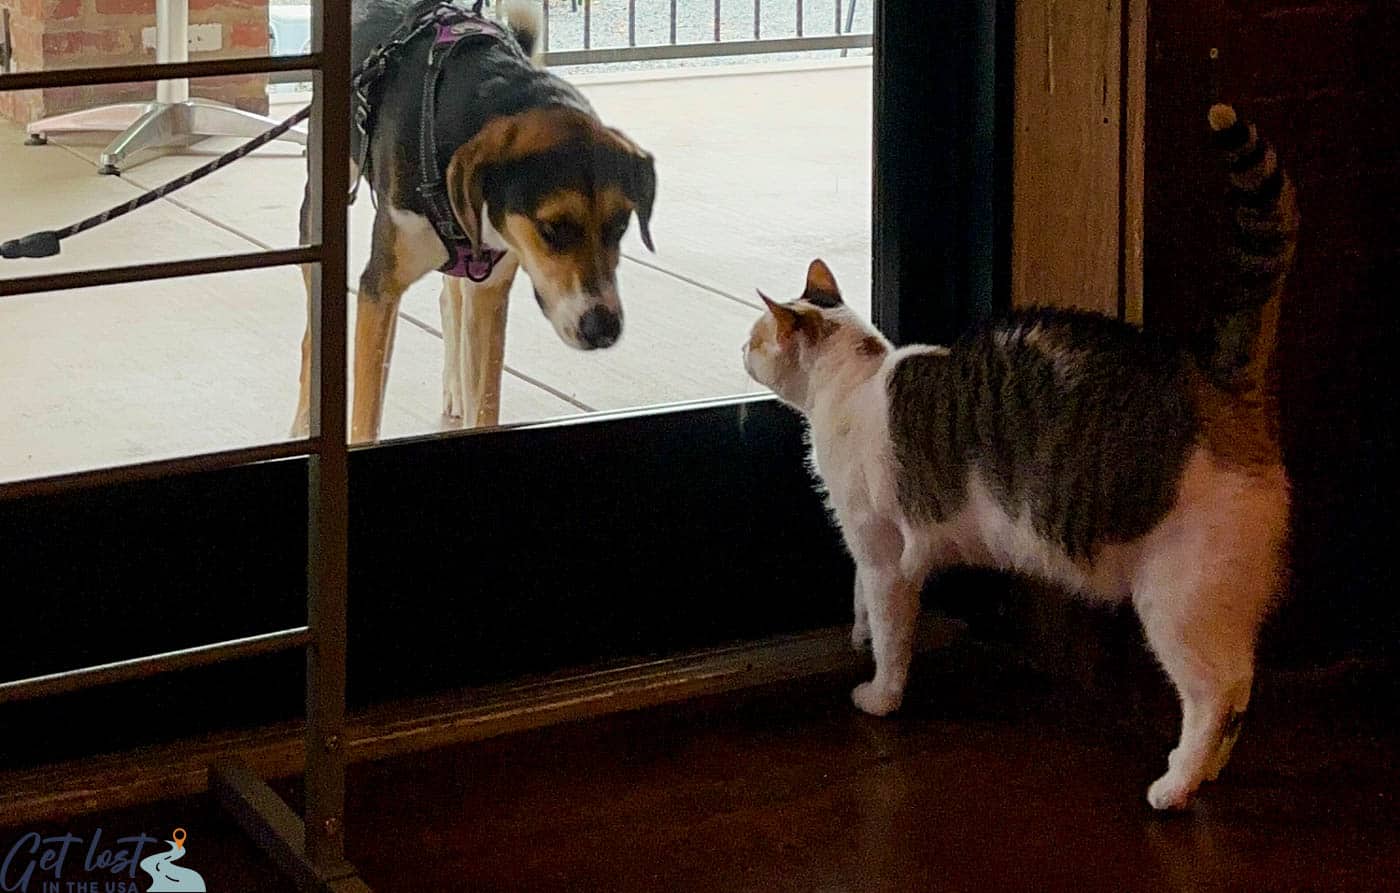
(63, 99)
(249, 35)
(228, 4)
(63, 9)
(127, 7)
(68, 43)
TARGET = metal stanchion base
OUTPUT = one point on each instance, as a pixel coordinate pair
(277, 830)
(154, 125)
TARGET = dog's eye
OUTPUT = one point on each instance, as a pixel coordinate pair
(560, 235)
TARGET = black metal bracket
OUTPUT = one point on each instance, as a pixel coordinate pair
(278, 830)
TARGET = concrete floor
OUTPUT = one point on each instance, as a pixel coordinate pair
(760, 169)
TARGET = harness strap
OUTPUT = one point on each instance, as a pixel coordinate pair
(474, 261)
(451, 26)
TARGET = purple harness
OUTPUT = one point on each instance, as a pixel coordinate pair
(454, 26)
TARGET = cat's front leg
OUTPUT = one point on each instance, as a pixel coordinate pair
(860, 628)
(892, 610)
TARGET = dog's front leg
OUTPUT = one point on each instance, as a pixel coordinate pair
(450, 303)
(301, 423)
(482, 344)
(404, 250)
(376, 321)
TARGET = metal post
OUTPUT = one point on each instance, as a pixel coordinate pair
(312, 850)
(327, 566)
(717, 2)
(172, 45)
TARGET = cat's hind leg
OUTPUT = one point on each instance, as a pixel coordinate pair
(1204, 640)
(1202, 591)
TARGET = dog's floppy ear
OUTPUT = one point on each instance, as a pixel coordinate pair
(640, 184)
(467, 169)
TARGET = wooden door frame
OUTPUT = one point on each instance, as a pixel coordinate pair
(1078, 147)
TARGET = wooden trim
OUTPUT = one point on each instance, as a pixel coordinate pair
(65, 790)
(1077, 170)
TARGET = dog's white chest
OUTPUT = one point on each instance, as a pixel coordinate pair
(417, 249)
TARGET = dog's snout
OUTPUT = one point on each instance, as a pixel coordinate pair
(600, 327)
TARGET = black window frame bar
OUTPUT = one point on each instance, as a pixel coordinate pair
(941, 203)
(311, 850)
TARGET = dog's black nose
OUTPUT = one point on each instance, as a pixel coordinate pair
(600, 327)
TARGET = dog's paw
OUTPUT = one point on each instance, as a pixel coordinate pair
(1171, 792)
(875, 701)
(451, 405)
(860, 636)
(301, 427)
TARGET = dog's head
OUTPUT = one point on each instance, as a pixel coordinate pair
(559, 189)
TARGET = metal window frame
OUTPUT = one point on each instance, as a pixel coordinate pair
(912, 114)
(310, 849)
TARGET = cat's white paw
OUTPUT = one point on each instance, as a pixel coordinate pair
(875, 701)
(1170, 792)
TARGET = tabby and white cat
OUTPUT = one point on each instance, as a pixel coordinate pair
(1070, 447)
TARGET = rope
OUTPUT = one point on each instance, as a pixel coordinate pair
(46, 243)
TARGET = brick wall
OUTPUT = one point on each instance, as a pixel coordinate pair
(1323, 79)
(54, 34)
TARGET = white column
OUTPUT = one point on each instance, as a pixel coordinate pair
(172, 45)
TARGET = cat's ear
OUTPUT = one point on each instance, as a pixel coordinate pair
(788, 319)
(821, 286)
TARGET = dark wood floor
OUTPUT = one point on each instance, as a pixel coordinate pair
(991, 779)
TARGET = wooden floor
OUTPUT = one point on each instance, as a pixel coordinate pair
(991, 779)
(759, 170)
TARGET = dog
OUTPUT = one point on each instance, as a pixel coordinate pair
(525, 175)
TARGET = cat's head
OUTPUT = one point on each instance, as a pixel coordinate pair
(786, 344)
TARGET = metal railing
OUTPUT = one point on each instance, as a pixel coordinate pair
(571, 26)
(311, 849)
(581, 46)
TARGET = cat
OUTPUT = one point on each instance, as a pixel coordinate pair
(1070, 447)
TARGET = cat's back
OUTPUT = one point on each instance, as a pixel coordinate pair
(1082, 421)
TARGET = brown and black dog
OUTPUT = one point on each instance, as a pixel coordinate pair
(531, 173)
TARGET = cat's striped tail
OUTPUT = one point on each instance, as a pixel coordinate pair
(1264, 240)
